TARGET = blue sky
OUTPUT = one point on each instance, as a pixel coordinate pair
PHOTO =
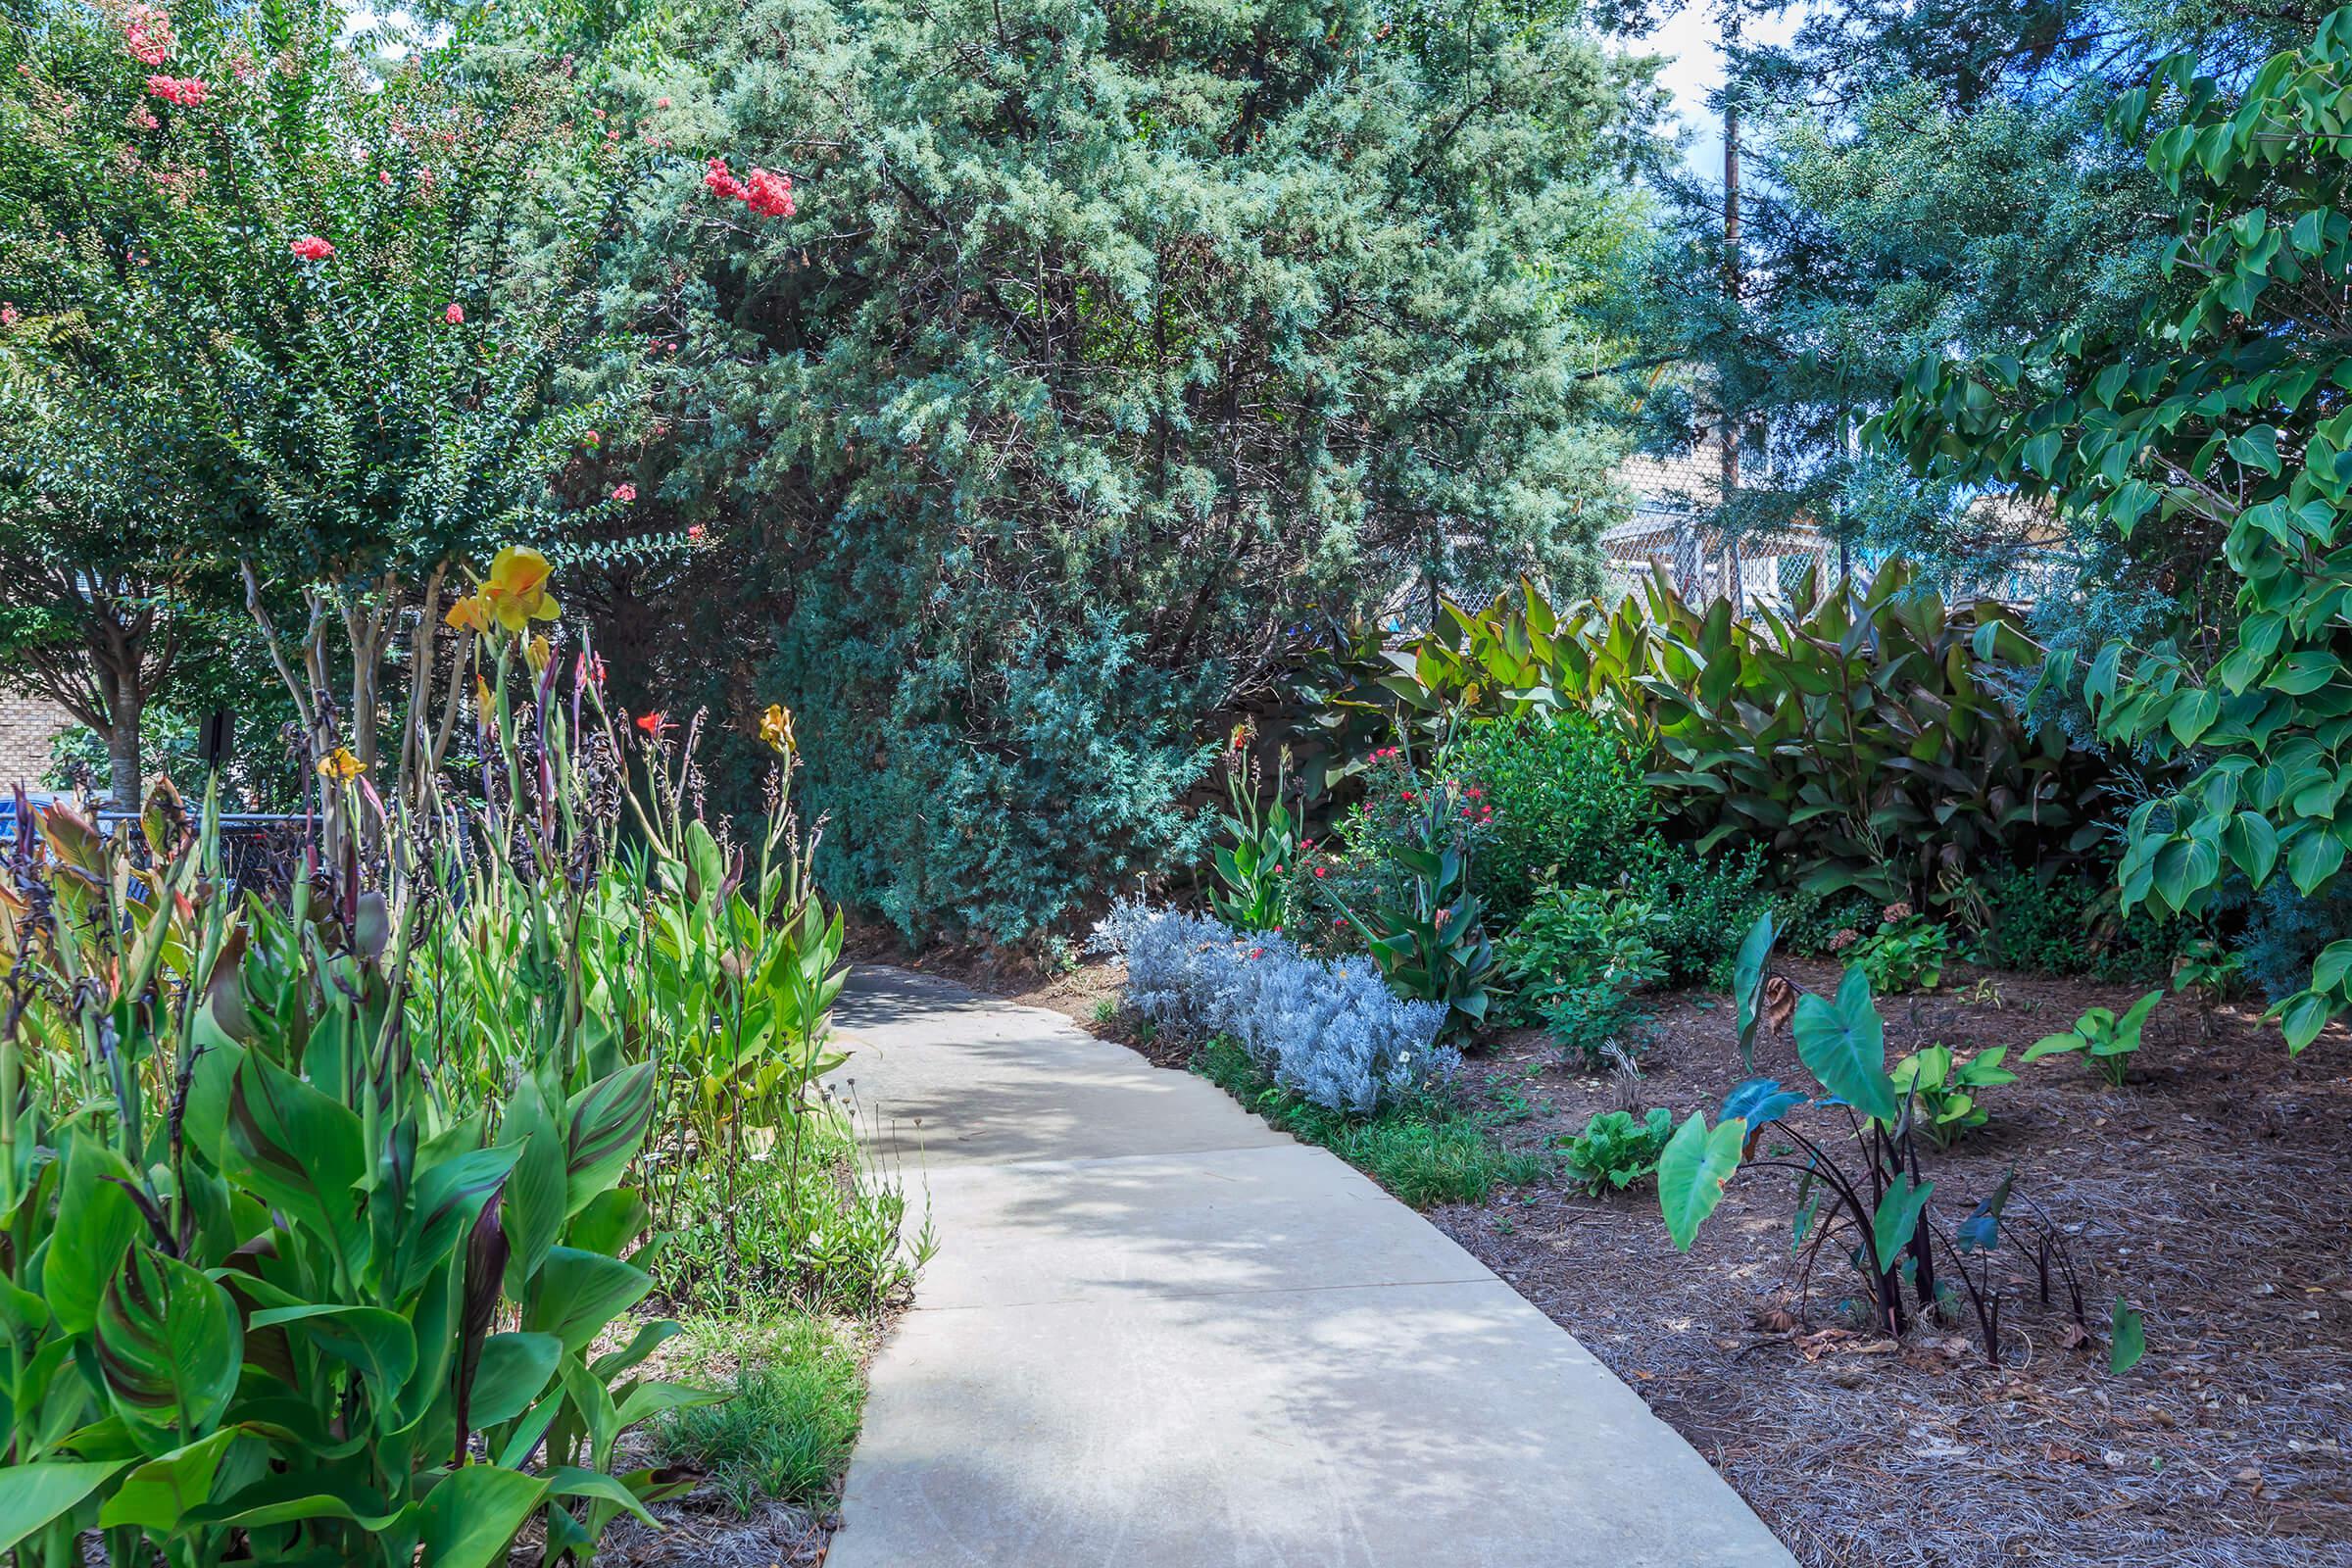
(1689, 37)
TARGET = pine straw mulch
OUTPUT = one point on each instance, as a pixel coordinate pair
(2214, 1191)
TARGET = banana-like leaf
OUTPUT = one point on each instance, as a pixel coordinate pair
(168, 1349)
(604, 1124)
(33, 1494)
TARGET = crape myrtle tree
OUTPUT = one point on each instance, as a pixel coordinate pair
(2219, 417)
(1105, 344)
(296, 319)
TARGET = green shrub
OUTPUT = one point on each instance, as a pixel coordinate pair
(2065, 924)
(1576, 963)
(788, 1429)
(1704, 906)
(1906, 952)
(805, 1217)
(1866, 738)
(1570, 805)
(1615, 1151)
(1424, 1154)
(1810, 922)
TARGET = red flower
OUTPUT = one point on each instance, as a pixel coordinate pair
(8, 312)
(719, 182)
(1408, 795)
(652, 723)
(694, 534)
(624, 493)
(769, 195)
(455, 315)
(1319, 871)
(311, 248)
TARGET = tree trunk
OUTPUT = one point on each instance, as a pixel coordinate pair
(125, 708)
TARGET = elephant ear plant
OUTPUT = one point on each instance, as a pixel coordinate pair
(1861, 1192)
(270, 1288)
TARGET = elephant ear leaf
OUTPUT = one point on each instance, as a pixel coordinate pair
(1747, 984)
(1759, 1101)
(1692, 1173)
(1844, 1046)
(168, 1349)
(1896, 1219)
(603, 1125)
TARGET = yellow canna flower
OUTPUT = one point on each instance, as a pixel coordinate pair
(775, 727)
(341, 764)
(537, 652)
(516, 592)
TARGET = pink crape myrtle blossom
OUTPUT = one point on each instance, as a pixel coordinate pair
(147, 34)
(8, 312)
(455, 315)
(767, 194)
(185, 91)
(624, 493)
(311, 248)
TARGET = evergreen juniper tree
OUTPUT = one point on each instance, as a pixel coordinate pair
(1102, 344)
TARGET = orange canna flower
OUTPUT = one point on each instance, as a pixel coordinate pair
(341, 765)
(516, 592)
(470, 613)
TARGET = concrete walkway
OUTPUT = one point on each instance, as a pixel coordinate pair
(1160, 1334)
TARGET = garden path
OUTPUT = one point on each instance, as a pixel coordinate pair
(1160, 1334)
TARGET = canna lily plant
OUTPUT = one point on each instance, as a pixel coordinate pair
(269, 1291)
(316, 1217)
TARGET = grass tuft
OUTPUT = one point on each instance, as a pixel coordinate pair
(1423, 1154)
(788, 1430)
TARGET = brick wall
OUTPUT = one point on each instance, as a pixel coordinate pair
(27, 724)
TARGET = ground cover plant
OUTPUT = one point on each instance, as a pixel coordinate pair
(1329, 1031)
(1618, 1149)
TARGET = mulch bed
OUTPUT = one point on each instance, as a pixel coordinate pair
(2214, 1191)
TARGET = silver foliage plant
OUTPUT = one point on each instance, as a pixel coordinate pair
(1329, 1030)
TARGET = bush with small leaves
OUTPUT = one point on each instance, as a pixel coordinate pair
(1327, 1030)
